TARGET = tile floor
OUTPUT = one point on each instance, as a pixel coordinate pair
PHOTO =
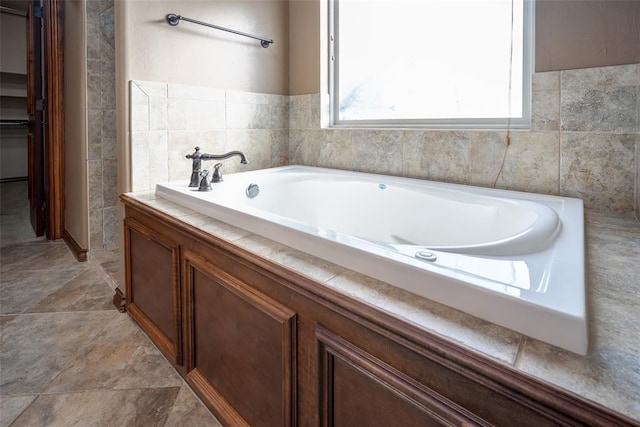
(67, 357)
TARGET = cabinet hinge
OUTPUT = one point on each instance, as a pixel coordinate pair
(39, 11)
(40, 104)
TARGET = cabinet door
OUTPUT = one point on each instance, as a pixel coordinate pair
(240, 347)
(153, 287)
(357, 389)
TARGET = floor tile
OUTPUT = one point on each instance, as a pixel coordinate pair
(85, 292)
(36, 348)
(45, 256)
(22, 289)
(119, 357)
(188, 411)
(139, 407)
(11, 407)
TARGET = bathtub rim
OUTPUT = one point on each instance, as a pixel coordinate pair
(521, 315)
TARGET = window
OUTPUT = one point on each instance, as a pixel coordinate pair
(432, 63)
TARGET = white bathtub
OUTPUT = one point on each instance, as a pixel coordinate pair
(512, 258)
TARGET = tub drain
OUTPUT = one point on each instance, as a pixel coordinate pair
(252, 190)
(426, 256)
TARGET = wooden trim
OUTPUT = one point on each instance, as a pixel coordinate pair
(74, 246)
(214, 400)
(35, 137)
(120, 300)
(422, 398)
(54, 129)
(171, 349)
(281, 314)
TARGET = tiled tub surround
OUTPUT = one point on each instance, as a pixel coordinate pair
(168, 120)
(609, 374)
(101, 124)
(582, 142)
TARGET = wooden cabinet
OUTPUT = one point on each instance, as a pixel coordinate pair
(359, 389)
(153, 287)
(265, 346)
(233, 328)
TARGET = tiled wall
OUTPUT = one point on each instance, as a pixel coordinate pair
(582, 143)
(169, 120)
(102, 160)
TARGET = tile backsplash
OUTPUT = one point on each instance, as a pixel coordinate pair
(169, 120)
(583, 142)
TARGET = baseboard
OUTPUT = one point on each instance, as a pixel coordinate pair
(120, 300)
(76, 249)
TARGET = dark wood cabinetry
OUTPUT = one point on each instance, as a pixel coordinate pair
(153, 287)
(359, 389)
(241, 352)
(265, 346)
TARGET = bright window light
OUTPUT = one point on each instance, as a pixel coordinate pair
(428, 62)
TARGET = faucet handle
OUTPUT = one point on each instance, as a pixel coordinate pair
(217, 175)
(195, 155)
(205, 185)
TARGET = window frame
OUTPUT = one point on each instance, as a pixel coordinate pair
(523, 122)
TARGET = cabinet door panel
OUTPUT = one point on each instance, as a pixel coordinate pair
(241, 346)
(153, 287)
(359, 389)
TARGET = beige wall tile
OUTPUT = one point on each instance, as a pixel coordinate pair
(587, 78)
(532, 163)
(486, 150)
(109, 182)
(139, 108)
(94, 169)
(140, 160)
(195, 93)
(188, 114)
(546, 81)
(247, 116)
(96, 229)
(332, 149)
(304, 111)
(436, 155)
(610, 109)
(598, 168)
(279, 113)
(377, 151)
(111, 227)
(254, 143)
(94, 141)
(545, 110)
(279, 147)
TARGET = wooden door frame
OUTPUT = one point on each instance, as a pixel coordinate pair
(53, 62)
(35, 139)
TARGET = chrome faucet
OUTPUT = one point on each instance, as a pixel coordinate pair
(199, 178)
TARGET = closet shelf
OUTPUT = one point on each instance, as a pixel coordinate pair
(13, 93)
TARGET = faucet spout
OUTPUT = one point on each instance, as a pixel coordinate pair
(243, 158)
(198, 157)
